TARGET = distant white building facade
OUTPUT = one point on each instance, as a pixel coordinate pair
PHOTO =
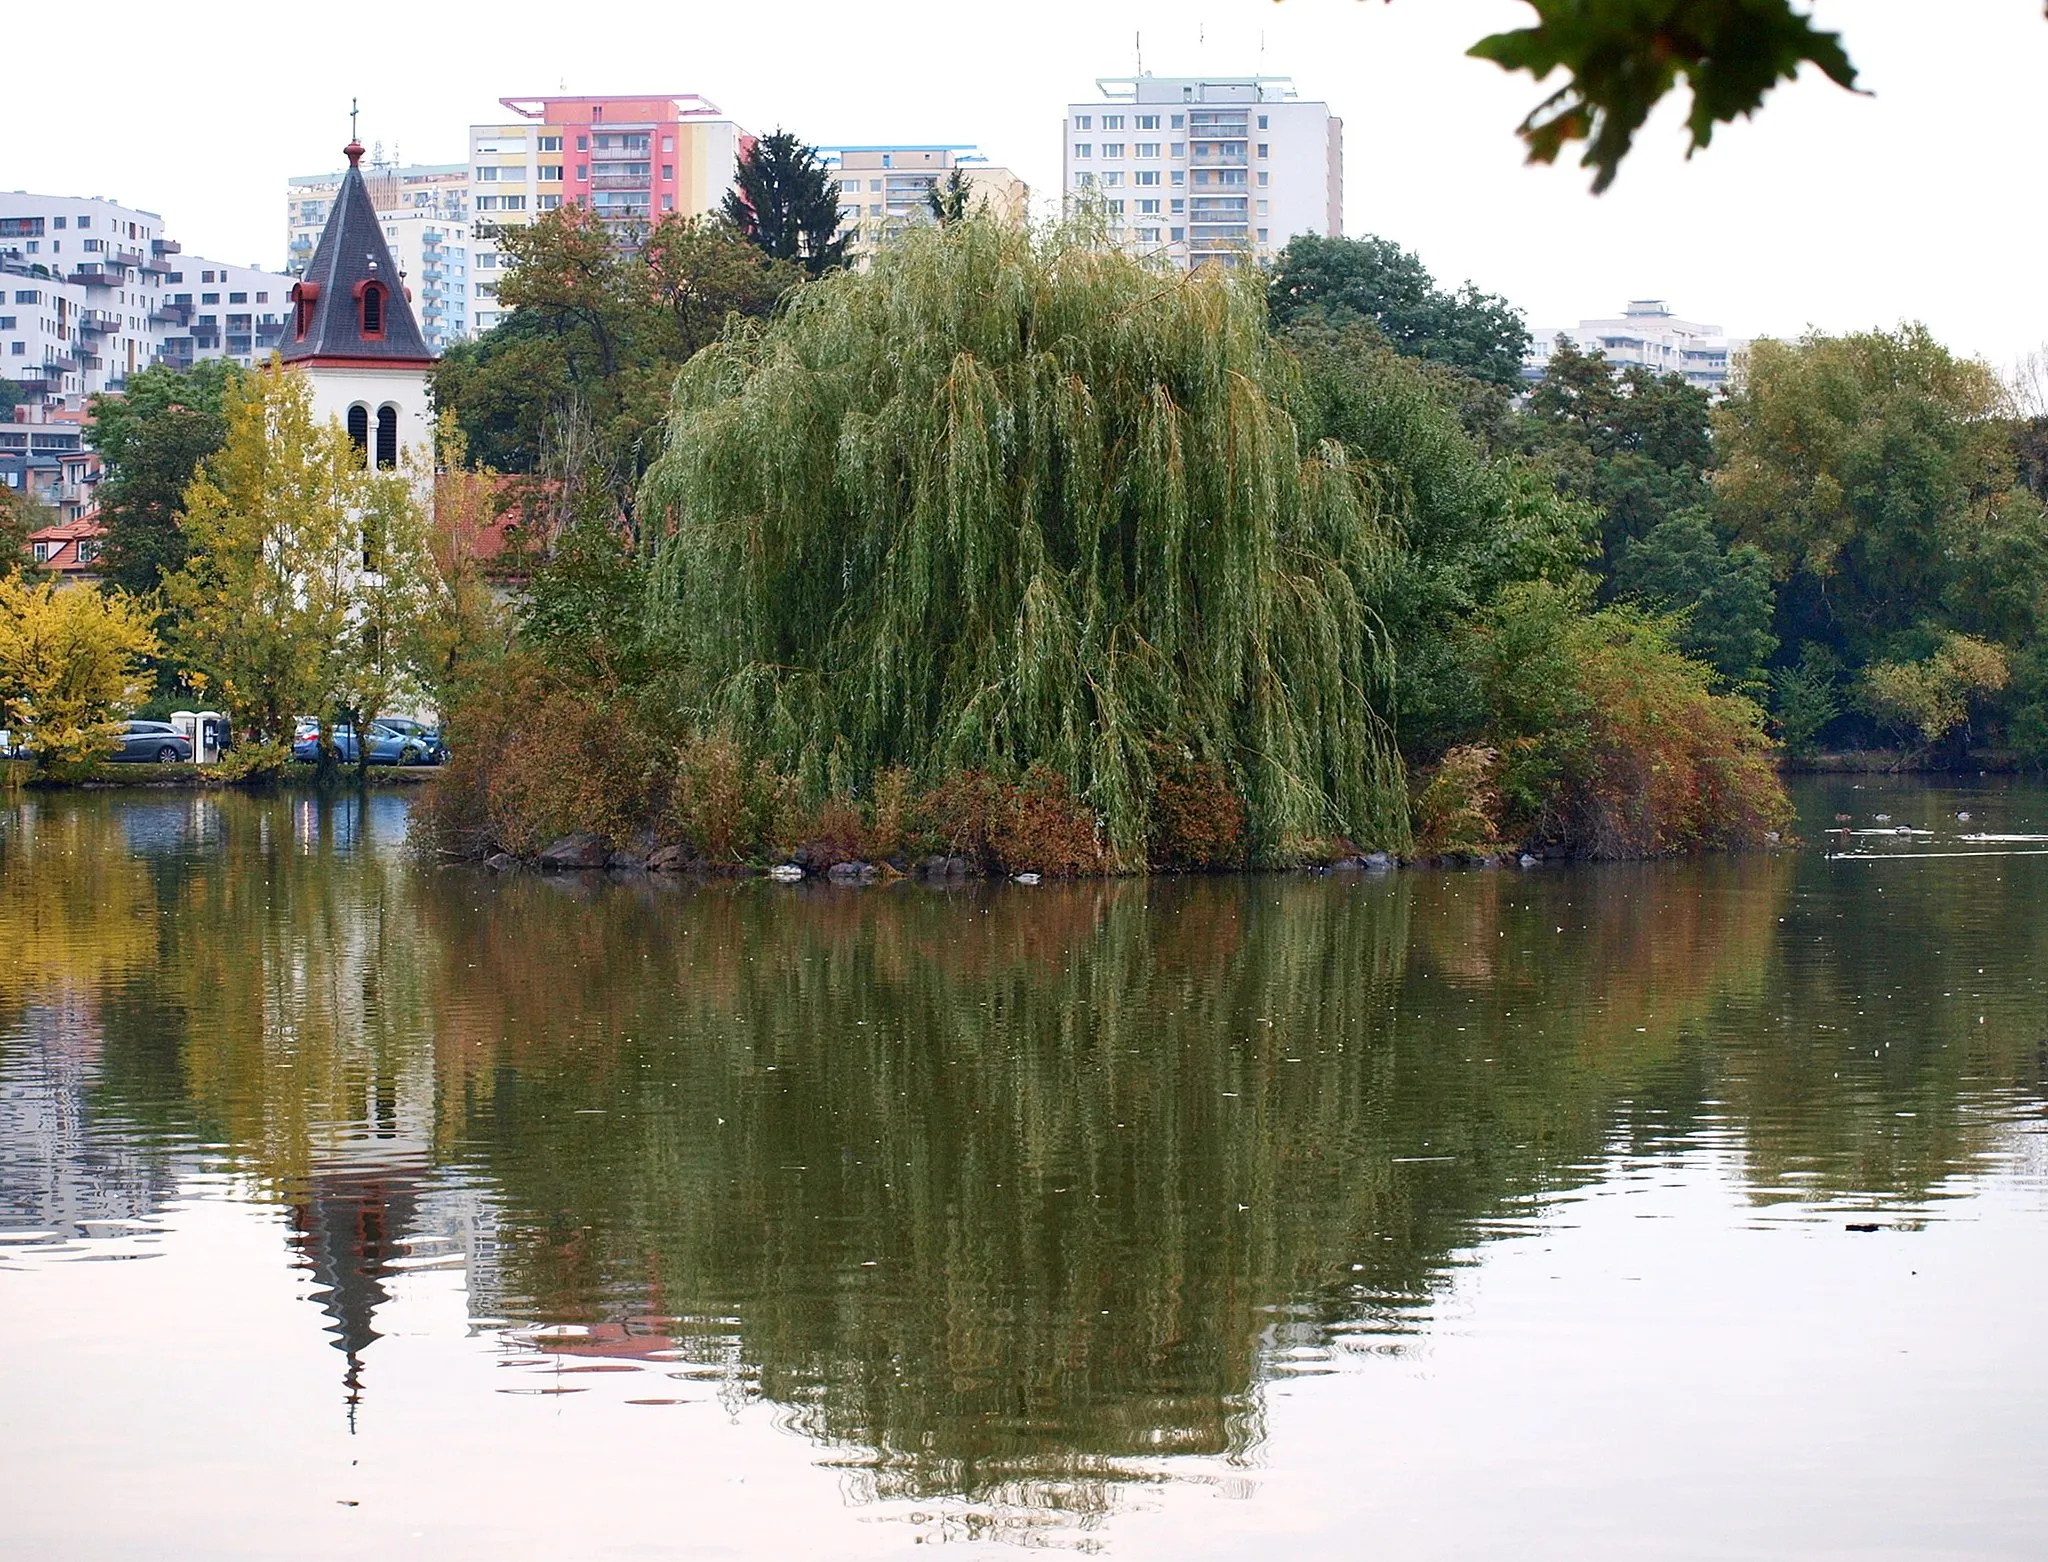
(92, 292)
(1217, 170)
(1648, 335)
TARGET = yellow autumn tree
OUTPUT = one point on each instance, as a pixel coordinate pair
(71, 666)
(309, 574)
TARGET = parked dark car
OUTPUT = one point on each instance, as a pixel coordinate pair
(152, 742)
(386, 746)
(437, 751)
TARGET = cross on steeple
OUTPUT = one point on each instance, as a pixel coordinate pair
(352, 119)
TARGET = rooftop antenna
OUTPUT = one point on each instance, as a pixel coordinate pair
(1140, 42)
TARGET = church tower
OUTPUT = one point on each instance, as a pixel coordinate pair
(352, 334)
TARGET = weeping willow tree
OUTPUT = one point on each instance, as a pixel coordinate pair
(1010, 500)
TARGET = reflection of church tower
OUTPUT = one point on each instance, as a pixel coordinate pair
(353, 335)
(351, 1225)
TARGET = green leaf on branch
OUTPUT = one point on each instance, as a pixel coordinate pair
(1623, 56)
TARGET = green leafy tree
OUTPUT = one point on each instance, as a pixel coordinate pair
(785, 200)
(1635, 444)
(1468, 524)
(1873, 470)
(573, 387)
(72, 665)
(1723, 596)
(152, 438)
(1344, 282)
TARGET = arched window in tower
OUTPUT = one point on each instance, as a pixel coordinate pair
(359, 428)
(373, 309)
(303, 295)
(387, 436)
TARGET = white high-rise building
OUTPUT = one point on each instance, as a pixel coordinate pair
(91, 292)
(1645, 334)
(1206, 169)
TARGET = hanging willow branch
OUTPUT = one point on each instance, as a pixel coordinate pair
(1007, 500)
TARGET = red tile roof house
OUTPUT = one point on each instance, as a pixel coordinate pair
(70, 550)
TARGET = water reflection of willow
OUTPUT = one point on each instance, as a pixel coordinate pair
(1010, 1187)
(1000, 1192)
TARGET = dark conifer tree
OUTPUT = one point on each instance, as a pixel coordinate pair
(787, 203)
(951, 198)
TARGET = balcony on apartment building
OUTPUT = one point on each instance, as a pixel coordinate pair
(168, 313)
(161, 247)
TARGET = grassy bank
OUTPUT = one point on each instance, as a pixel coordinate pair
(20, 773)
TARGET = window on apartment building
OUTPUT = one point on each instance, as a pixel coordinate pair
(582, 171)
(1146, 176)
(85, 222)
(668, 171)
(175, 277)
(874, 184)
(515, 203)
(206, 276)
(668, 202)
(1262, 208)
(209, 298)
(1112, 178)
(1145, 122)
(875, 209)
(486, 203)
(1083, 149)
(1265, 149)
(18, 348)
(1263, 233)
(1116, 208)
(1084, 121)
(262, 298)
(1264, 178)
(7, 323)
(1112, 149)
(1180, 205)
(1148, 235)
(238, 298)
(547, 203)
(209, 322)
(550, 173)
(1178, 121)
(547, 144)
(1112, 122)
(1084, 179)
(1148, 149)
(668, 143)
(1179, 176)
(57, 222)
(1148, 208)
(583, 143)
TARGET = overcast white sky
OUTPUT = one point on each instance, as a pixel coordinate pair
(1921, 202)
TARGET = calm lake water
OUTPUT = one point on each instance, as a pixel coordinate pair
(355, 1209)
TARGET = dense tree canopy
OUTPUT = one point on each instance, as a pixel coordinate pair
(1344, 282)
(575, 383)
(152, 438)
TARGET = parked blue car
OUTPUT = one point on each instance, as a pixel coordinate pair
(386, 745)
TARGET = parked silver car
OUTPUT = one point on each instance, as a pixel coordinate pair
(152, 742)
